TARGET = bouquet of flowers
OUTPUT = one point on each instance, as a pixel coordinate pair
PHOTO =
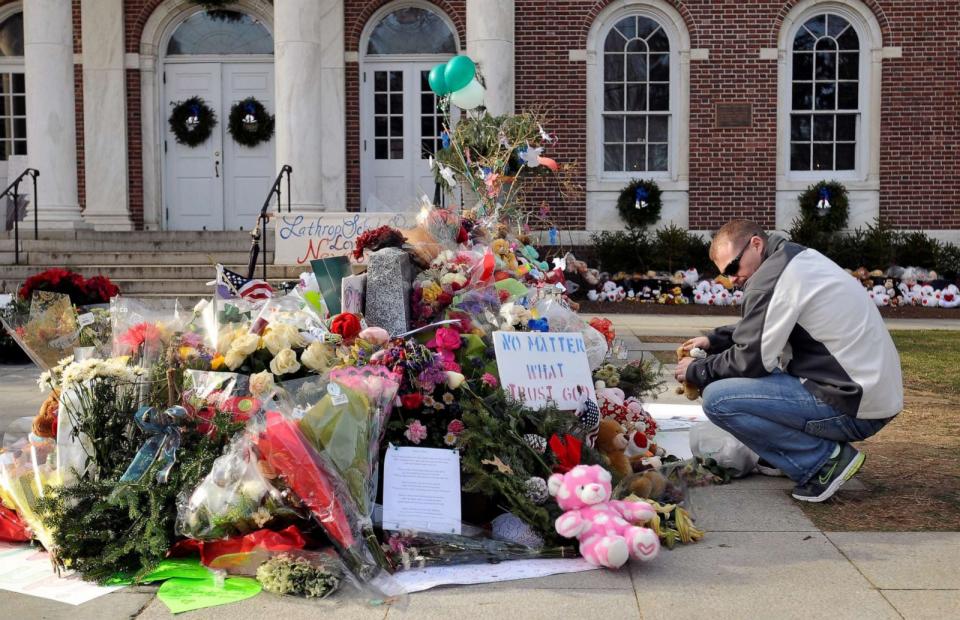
(28, 468)
(47, 330)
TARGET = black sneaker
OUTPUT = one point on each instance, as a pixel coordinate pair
(768, 469)
(831, 476)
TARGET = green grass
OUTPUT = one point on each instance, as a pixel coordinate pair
(930, 360)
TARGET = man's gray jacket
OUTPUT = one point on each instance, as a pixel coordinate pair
(799, 305)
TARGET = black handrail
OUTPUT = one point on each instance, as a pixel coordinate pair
(260, 228)
(14, 190)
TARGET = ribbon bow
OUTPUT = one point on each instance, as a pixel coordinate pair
(538, 325)
(823, 206)
(567, 451)
(163, 439)
(640, 196)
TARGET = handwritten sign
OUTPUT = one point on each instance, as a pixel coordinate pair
(302, 237)
(539, 367)
(421, 489)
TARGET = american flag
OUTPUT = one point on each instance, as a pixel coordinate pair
(233, 284)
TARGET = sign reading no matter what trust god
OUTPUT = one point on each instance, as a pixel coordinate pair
(539, 367)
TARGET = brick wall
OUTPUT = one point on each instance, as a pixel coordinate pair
(732, 171)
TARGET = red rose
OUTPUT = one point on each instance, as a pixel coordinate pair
(347, 325)
(412, 401)
(462, 234)
(444, 299)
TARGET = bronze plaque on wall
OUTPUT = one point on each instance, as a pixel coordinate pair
(734, 115)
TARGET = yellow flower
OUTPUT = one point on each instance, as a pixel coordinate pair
(431, 291)
(216, 362)
(186, 352)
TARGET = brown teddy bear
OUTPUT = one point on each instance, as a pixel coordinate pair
(612, 443)
(688, 389)
(45, 424)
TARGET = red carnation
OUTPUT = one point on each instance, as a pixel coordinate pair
(347, 325)
(412, 401)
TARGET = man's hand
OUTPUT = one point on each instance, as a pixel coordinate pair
(701, 342)
(681, 373)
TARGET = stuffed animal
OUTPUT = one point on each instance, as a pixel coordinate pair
(688, 389)
(612, 444)
(603, 526)
(504, 256)
(650, 484)
(45, 424)
(949, 299)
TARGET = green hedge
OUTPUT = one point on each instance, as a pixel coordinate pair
(666, 249)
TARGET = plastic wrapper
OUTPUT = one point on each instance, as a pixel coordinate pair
(141, 332)
(12, 528)
(48, 331)
(27, 466)
(562, 319)
(409, 550)
(709, 441)
(304, 574)
(235, 498)
(206, 392)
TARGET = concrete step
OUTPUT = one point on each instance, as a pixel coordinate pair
(130, 244)
(140, 271)
(142, 235)
(200, 257)
(169, 287)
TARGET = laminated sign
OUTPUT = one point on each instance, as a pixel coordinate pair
(540, 367)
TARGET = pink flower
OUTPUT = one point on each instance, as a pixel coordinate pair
(447, 339)
(489, 380)
(415, 432)
(456, 427)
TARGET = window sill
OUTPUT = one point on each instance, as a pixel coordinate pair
(664, 181)
(853, 182)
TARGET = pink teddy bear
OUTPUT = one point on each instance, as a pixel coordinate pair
(603, 526)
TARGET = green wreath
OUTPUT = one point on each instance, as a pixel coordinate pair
(250, 123)
(192, 121)
(813, 207)
(639, 203)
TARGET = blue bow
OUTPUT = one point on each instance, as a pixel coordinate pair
(445, 139)
(163, 439)
(554, 236)
(194, 110)
(641, 194)
(250, 109)
(824, 194)
(538, 325)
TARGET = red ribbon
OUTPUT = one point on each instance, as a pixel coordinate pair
(567, 451)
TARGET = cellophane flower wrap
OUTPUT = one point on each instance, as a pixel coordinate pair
(28, 466)
(46, 330)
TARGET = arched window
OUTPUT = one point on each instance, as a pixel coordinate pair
(637, 104)
(13, 105)
(825, 95)
(411, 30)
(220, 32)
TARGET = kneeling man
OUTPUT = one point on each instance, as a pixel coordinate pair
(808, 369)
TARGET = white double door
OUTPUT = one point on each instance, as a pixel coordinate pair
(400, 130)
(220, 184)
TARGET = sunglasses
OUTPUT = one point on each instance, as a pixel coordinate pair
(734, 266)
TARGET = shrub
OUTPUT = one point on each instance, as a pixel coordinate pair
(622, 250)
(675, 248)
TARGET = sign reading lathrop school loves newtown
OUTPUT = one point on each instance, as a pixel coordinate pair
(302, 237)
(539, 367)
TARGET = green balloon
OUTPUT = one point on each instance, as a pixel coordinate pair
(437, 83)
(460, 70)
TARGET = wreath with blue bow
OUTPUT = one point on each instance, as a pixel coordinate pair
(192, 121)
(825, 205)
(639, 203)
(250, 124)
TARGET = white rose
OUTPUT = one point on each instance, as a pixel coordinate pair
(246, 344)
(234, 359)
(317, 357)
(285, 363)
(226, 337)
(282, 336)
(454, 379)
(261, 383)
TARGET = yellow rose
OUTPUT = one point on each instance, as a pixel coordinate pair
(317, 357)
(285, 363)
(261, 383)
(217, 362)
(245, 344)
(282, 336)
(234, 359)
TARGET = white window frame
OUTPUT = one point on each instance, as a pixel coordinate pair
(866, 172)
(676, 175)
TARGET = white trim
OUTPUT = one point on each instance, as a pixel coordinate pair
(9, 10)
(604, 187)
(577, 55)
(863, 183)
(153, 42)
(892, 52)
(700, 53)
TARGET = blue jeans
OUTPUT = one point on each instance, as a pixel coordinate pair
(776, 417)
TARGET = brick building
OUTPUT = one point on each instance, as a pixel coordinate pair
(732, 106)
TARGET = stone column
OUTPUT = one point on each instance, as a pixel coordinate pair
(104, 115)
(309, 75)
(51, 120)
(490, 28)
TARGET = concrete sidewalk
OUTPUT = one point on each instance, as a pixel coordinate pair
(761, 558)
